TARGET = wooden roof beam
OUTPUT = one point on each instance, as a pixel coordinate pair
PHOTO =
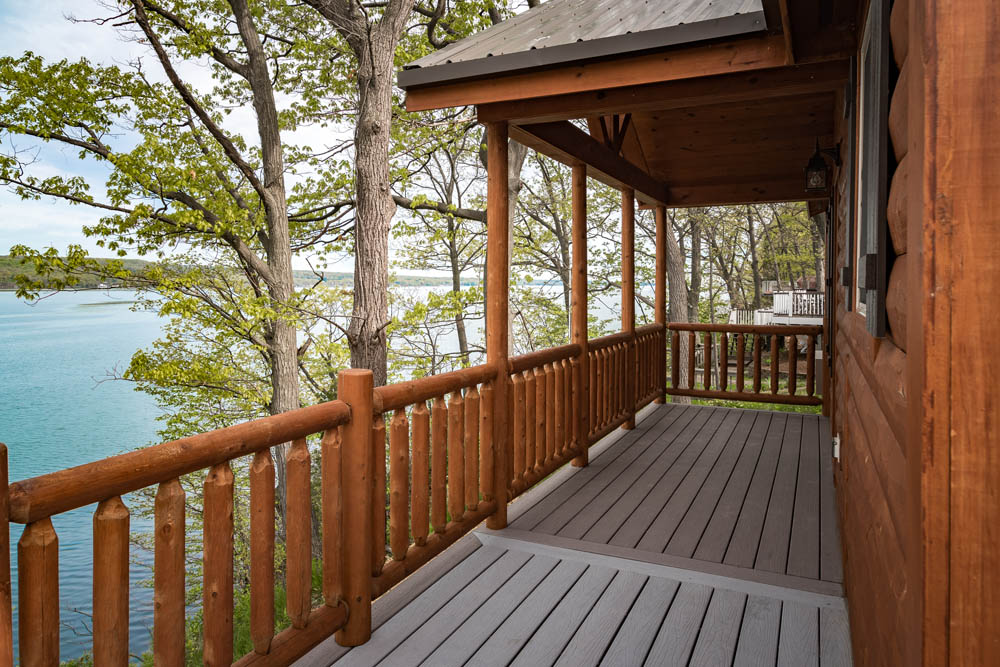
(567, 143)
(739, 55)
(723, 193)
(718, 89)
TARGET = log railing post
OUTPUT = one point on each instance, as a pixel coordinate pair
(262, 551)
(6, 599)
(578, 317)
(355, 388)
(497, 288)
(660, 303)
(217, 588)
(298, 532)
(628, 301)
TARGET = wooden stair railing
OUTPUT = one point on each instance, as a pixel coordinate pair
(721, 337)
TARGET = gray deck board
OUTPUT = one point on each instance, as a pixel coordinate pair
(742, 550)
(716, 643)
(834, 638)
(594, 635)
(560, 626)
(636, 634)
(758, 643)
(697, 435)
(597, 467)
(638, 446)
(720, 527)
(798, 645)
(418, 645)
(803, 548)
(662, 528)
(617, 502)
(677, 635)
(772, 554)
(706, 536)
(692, 527)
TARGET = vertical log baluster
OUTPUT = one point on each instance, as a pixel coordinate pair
(38, 594)
(420, 512)
(530, 417)
(723, 361)
(774, 364)
(559, 397)
(168, 574)
(757, 344)
(740, 360)
(811, 366)
(111, 556)
(540, 394)
(675, 355)
(487, 462)
(518, 424)
(550, 413)
(6, 598)
(568, 398)
(600, 389)
(691, 353)
(298, 533)
(439, 464)
(456, 459)
(471, 448)
(217, 592)
(594, 421)
(331, 494)
(262, 551)
(706, 372)
(355, 388)
(793, 364)
(399, 484)
(379, 495)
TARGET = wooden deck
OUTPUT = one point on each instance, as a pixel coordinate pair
(706, 536)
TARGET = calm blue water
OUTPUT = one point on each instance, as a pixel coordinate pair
(55, 413)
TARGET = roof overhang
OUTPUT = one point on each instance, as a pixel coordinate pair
(582, 51)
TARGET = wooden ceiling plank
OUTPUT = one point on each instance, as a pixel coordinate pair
(724, 88)
(567, 143)
(746, 193)
(707, 60)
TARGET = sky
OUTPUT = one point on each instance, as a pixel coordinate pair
(45, 29)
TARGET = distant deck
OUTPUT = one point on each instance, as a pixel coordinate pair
(706, 536)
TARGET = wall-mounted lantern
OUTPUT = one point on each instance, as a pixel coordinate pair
(817, 172)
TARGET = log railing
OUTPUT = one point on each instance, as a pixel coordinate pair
(34, 501)
(405, 471)
(545, 414)
(753, 349)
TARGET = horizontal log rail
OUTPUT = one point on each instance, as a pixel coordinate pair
(541, 357)
(747, 346)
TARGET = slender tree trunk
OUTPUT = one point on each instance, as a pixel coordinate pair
(677, 305)
(695, 293)
(754, 261)
(456, 287)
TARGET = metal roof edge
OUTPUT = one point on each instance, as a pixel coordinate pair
(628, 44)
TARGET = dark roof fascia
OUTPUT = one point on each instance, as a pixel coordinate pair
(587, 50)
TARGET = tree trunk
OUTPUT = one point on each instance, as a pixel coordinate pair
(677, 304)
(754, 261)
(695, 292)
(456, 287)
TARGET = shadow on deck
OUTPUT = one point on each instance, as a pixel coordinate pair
(706, 536)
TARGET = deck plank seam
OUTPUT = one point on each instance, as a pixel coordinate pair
(770, 492)
(690, 440)
(541, 621)
(795, 495)
(746, 492)
(721, 492)
(708, 442)
(668, 449)
(633, 447)
(624, 617)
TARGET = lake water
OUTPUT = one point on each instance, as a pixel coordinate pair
(55, 413)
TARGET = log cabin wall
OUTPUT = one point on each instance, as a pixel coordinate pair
(879, 504)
